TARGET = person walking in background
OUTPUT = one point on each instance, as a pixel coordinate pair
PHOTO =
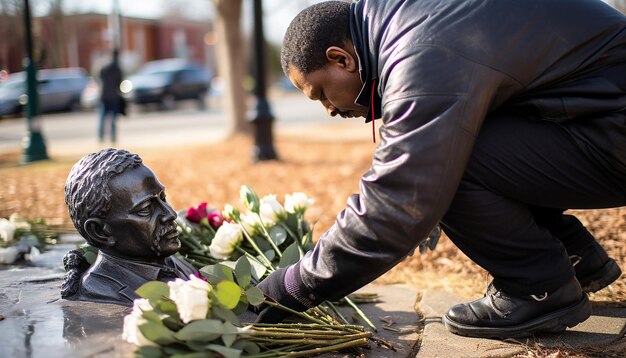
(111, 101)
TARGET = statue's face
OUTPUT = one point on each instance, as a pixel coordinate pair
(140, 220)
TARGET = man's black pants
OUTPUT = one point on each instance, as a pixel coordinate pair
(507, 214)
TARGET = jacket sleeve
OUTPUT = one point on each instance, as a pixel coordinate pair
(434, 102)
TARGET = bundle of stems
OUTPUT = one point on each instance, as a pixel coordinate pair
(305, 339)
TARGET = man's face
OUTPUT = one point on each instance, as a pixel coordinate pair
(140, 220)
(334, 86)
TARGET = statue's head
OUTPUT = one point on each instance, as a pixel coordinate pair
(118, 205)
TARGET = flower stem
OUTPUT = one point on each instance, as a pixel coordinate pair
(335, 347)
(267, 265)
(268, 237)
(361, 313)
(255, 247)
(300, 314)
(296, 238)
(336, 311)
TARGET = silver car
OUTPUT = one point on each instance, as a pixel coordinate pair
(59, 89)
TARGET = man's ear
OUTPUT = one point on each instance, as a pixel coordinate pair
(98, 233)
(340, 57)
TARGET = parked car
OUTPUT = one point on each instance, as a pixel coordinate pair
(59, 89)
(165, 82)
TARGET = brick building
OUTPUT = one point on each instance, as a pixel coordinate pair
(86, 40)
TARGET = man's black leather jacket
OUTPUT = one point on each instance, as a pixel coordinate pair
(439, 68)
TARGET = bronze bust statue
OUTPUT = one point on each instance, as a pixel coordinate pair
(118, 205)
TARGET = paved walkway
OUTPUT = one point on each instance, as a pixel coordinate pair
(37, 323)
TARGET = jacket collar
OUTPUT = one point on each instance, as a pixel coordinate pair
(359, 31)
(146, 270)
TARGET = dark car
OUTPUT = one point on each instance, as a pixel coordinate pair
(59, 89)
(165, 82)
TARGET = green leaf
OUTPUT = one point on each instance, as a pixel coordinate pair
(243, 272)
(231, 334)
(176, 350)
(173, 323)
(198, 346)
(230, 264)
(194, 355)
(258, 269)
(157, 332)
(242, 307)
(148, 352)
(247, 346)
(255, 295)
(308, 239)
(151, 316)
(201, 330)
(227, 294)
(291, 255)
(278, 235)
(153, 291)
(270, 254)
(225, 315)
(216, 273)
(225, 351)
(168, 307)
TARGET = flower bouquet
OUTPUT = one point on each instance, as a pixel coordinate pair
(198, 318)
(23, 238)
(267, 233)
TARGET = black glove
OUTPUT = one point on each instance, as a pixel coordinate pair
(274, 289)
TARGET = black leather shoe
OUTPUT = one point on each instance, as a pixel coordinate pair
(499, 315)
(594, 268)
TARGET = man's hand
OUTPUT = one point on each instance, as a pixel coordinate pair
(431, 241)
(274, 289)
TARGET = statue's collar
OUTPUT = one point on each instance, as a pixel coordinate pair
(150, 271)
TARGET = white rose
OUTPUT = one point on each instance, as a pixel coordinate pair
(19, 222)
(8, 255)
(271, 210)
(297, 202)
(132, 321)
(226, 239)
(191, 298)
(7, 229)
(251, 223)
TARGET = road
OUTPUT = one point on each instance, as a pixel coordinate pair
(75, 133)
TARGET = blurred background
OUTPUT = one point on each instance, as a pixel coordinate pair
(192, 55)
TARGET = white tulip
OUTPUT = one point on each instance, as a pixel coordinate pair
(132, 321)
(7, 229)
(191, 298)
(271, 210)
(297, 202)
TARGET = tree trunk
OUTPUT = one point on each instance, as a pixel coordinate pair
(230, 64)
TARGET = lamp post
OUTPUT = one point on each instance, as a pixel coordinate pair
(33, 143)
(261, 116)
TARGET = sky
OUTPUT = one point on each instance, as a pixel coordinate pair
(278, 13)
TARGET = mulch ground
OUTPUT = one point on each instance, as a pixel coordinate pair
(327, 171)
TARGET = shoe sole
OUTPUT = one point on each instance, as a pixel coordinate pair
(554, 322)
(601, 278)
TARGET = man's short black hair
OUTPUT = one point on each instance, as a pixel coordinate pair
(311, 32)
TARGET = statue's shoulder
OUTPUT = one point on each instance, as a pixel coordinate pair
(109, 283)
